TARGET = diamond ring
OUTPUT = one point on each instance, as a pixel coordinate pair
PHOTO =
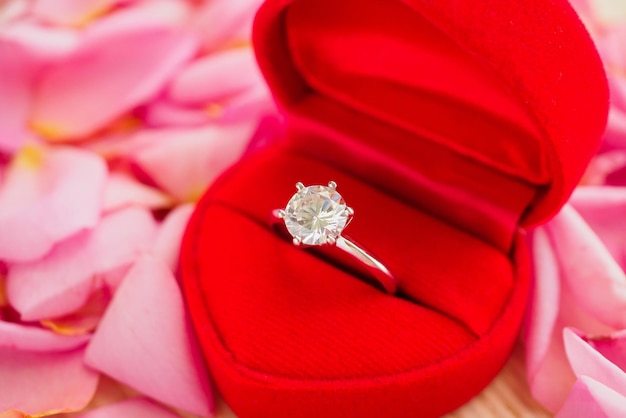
(316, 216)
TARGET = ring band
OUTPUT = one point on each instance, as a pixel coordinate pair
(315, 217)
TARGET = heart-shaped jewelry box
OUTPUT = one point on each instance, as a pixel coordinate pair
(450, 127)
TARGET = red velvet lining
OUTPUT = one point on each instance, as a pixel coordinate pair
(512, 92)
(460, 191)
(409, 74)
(457, 285)
(425, 96)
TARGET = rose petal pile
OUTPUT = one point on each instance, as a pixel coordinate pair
(115, 115)
(575, 334)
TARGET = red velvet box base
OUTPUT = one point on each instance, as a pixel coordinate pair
(289, 335)
(444, 143)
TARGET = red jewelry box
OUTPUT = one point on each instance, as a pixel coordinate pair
(450, 126)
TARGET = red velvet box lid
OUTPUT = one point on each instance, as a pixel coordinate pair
(447, 125)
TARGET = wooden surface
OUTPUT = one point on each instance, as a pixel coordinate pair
(506, 397)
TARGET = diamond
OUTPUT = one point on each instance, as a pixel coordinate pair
(316, 215)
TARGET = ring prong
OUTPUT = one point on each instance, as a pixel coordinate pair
(332, 185)
(297, 241)
(299, 186)
(281, 213)
(331, 240)
(350, 211)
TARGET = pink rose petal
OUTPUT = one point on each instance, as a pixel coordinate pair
(29, 338)
(123, 191)
(144, 340)
(83, 321)
(220, 22)
(617, 178)
(110, 391)
(254, 103)
(63, 280)
(617, 86)
(615, 135)
(167, 244)
(18, 71)
(105, 78)
(47, 196)
(591, 399)
(604, 209)
(44, 43)
(114, 278)
(12, 10)
(553, 380)
(165, 114)
(55, 286)
(35, 382)
(612, 46)
(544, 304)
(586, 361)
(596, 281)
(70, 12)
(158, 14)
(613, 347)
(602, 166)
(207, 152)
(549, 374)
(216, 77)
(138, 407)
(111, 145)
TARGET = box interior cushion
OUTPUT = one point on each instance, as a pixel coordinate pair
(311, 318)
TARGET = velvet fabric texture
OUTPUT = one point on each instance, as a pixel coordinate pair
(448, 126)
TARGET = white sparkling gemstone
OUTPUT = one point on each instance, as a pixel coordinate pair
(316, 214)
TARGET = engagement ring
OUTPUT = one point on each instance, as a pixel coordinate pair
(316, 216)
